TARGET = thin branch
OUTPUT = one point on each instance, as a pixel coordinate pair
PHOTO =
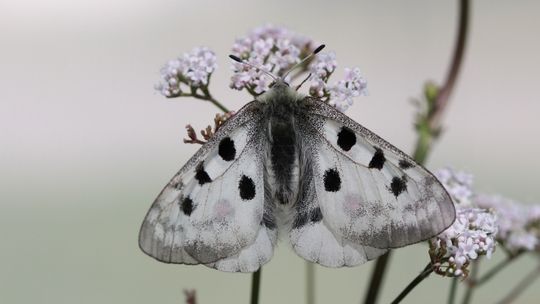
(473, 275)
(523, 284)
(255, 286)
(424, 274)
(207, 96)
(443, 96)
(453, 290)
(310, 283)
(425, 140)
(493, 271)
(376, 278)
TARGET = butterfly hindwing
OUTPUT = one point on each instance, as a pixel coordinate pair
(211, 212)
(369, 192)
(311, 237)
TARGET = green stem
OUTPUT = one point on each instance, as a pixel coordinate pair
(473, 275)
(453, 289)
(207, 96)
(423, 145)
(310, 283)
(376, 278)
(255, 286)
(424, 274)
(493, 271)
(426, 137)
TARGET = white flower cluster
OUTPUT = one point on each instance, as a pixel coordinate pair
(275, 50)
(472, 234)
(192, 69)
(343, 92)
(321, 69)
(519, 224)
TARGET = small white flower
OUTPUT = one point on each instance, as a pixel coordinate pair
(323, 65)
(317, 88)
(192, 69)
(518, 224)
(343, 92)
(274, 49)
(471, 236)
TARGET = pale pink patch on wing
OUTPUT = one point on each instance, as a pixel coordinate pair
(352, 203)
(223, 209)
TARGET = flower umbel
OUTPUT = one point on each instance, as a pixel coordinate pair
(192, 70)
(276, 50)
(472, 234)
(273, 49)
(343, 92)
(519, 224)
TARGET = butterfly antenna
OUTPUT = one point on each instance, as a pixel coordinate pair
(317, 50)
(303, 81)
(237, 59)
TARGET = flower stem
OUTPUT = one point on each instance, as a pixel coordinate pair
(493, 271)
(523, 284)
(255, 286)
(310, 283)
(469, 291)
(376, 278)
(453, 289)
(424, 274)
(426, 137)
(207, 96)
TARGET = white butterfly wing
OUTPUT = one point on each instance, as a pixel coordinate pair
(368, 193)
(311, 236)
(211, 212)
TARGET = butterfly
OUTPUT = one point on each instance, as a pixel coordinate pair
(293, 167)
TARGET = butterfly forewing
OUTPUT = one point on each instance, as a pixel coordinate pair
(369, 192)
(211, 211)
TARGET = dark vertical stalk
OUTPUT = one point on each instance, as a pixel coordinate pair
(424, 274)
(310, 283)
(255, 286)
(426, 137)
(453, 289)
(474, 275)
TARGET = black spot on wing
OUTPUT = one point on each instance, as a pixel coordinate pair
(304, 218)
(378, 159)
(247, 188)
(332, 181)
(346, 139)
(202, 176)
(187, 206)
(404, 164)
(226, 150)
(398, 185)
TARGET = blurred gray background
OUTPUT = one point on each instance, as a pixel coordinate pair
(86, 143)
